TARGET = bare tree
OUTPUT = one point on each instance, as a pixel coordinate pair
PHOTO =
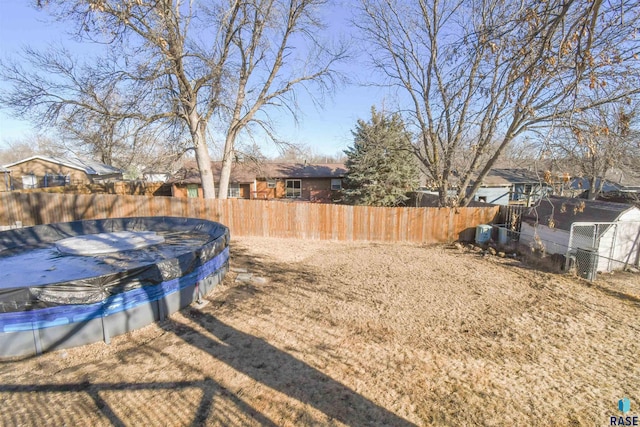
(596, 141)
(268, 70)
(158, 60)
(478, 74)
(27, 146)
(84, 103)
(194, 60)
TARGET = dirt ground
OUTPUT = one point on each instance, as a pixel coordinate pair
(356, 334)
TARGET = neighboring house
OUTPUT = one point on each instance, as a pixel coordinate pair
(627, 184)
(187, 183)
(45, 171)
(512, 187)
(579, 186)
(608, 232)
(311, 182)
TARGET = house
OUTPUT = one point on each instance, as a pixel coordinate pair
(299, 181)
(186, 182)
(512, 187)
(311, 182)
(607, 233)
(46, 171)
(5, 177)
(621, 187)
(630, 184)
(580, 186)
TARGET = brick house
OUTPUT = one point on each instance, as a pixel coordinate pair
(186, 182)
(45, 171)
(296, 181)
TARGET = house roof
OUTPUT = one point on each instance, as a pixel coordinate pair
(507, 177)
(565, 211)
(584, 183)
(625, 177)
(301, 170)
(241, 173)
(249, 172)
(90, 167)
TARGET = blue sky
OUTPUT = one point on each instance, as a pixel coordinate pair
(326, 130)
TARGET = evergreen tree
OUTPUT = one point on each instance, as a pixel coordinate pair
(381, 165)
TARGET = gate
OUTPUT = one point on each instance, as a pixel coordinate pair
(511, 217)
(591, 245)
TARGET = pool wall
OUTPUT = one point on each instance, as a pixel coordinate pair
(156, 292)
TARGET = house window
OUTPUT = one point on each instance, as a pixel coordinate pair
(521, 191)
(29, 181)
(271, 183)
(294, 188)
(234, 191)
(192, 191)
(336, 184)
(56, 180)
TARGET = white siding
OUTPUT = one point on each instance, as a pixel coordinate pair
(555, 241)
(619, 246)
(495, 195)
(627, 241)
(605, 248)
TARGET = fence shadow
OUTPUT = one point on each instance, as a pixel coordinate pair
(41, 410)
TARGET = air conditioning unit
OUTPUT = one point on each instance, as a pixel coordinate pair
(483, 233)
(503, 235)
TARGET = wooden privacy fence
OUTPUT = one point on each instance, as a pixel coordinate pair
(511, 217)
(258, 217)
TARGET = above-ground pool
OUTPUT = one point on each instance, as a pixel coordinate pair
(69, 284)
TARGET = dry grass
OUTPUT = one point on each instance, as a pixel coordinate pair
(355, 334)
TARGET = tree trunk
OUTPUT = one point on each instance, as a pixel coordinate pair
(593, 191)
(227, 163)
(443, 196)
(202, 156)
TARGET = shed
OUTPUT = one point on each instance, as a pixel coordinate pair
(567, 226)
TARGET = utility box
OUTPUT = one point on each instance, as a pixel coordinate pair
(483, 233)
(503, 235)
(587, 263)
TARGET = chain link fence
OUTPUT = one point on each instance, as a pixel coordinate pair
(586, 249)
(603, 246)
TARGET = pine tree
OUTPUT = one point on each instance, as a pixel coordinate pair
(381, 165)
